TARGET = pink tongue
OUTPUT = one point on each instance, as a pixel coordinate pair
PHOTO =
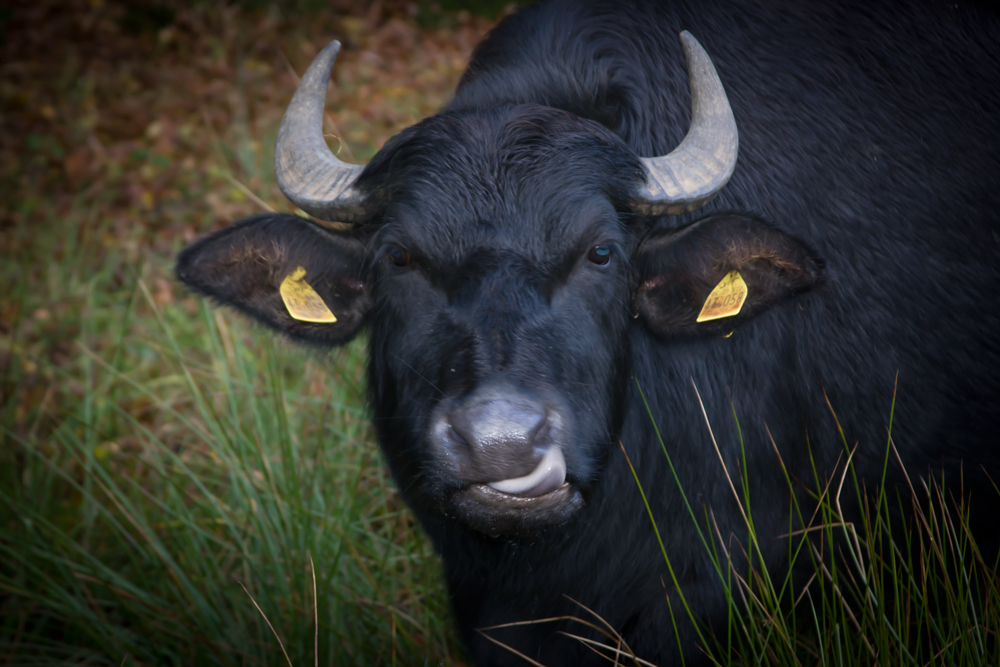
(548, 476)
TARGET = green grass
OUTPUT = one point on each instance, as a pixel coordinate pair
(916, 593)
(131, 526)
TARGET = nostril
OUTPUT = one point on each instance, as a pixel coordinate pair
(541, 432)
(459, 437)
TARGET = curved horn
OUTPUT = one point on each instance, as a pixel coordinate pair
(701, 165)
(308, 172)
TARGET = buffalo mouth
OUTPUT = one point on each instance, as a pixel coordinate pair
(520, 505)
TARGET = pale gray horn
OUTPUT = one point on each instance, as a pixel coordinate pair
(308, 172)
(701, 165)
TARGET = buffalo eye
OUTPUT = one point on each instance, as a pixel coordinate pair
(399, 257)
(600, 254)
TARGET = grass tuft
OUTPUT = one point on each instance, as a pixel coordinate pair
(132, 533)
(904, 583)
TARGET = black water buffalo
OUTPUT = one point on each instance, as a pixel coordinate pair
(531, 257)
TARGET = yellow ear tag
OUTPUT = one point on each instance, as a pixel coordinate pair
(302, 301)
(726, 299)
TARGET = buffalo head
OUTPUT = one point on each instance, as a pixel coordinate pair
(501, 258)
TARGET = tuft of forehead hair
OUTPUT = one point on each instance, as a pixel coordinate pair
(484, 160)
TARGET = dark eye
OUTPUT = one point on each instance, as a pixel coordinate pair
(399, 257)
(600, 254)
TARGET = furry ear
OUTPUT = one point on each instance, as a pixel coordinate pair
(678, 271)
(244, 266)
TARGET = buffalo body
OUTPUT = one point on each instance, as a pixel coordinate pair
(518, 302)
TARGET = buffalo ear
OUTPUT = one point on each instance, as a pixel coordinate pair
(244, 265)
(677, 270)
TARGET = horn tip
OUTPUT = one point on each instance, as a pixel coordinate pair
(331, 50)
(691, 44)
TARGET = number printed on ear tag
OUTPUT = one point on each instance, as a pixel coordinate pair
(302, 301)
(726, 299)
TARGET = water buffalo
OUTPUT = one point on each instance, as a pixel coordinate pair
(528, 259)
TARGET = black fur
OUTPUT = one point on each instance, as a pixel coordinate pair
(864, 209)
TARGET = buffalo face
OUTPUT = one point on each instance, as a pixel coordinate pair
(499, 344)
